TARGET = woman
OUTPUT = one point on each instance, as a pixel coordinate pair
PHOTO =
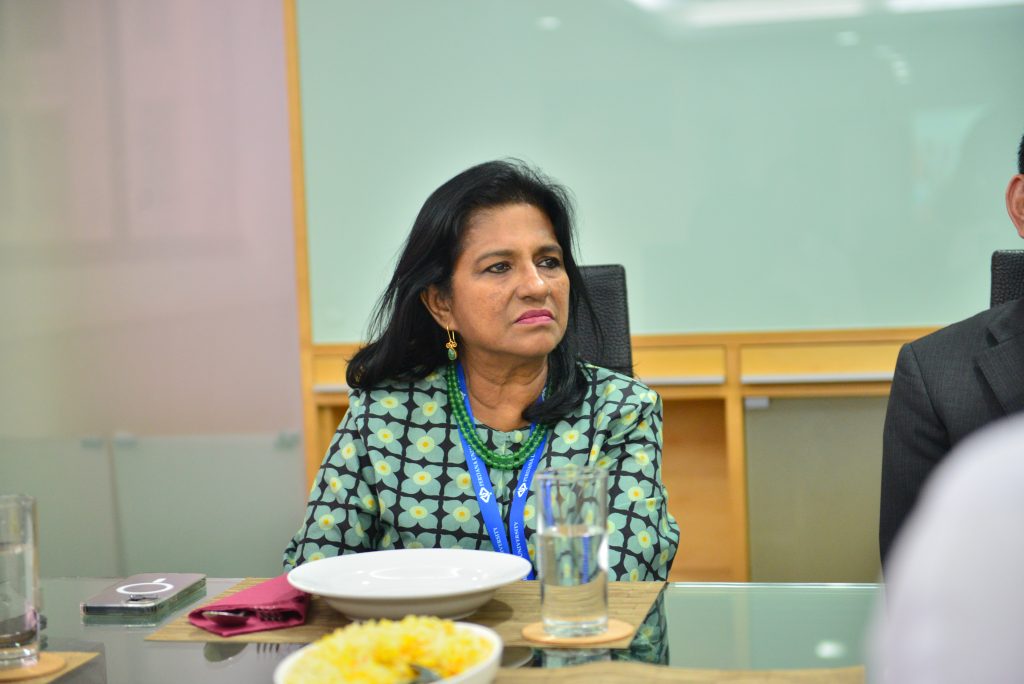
(471, 383)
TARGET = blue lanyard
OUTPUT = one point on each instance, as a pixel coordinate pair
(485, 490)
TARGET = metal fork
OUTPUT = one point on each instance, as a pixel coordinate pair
(424, 674)
(235, 618)
(272, 615)
(277, 651)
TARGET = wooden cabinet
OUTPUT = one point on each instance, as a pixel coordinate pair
(704, 380)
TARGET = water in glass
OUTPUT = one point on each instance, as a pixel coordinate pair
(574, 579)
(19, 624)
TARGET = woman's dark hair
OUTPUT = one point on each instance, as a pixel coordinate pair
(406, 342)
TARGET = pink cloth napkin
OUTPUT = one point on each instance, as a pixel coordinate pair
(275, 596)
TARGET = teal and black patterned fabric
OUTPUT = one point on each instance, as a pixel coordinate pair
(395, 476)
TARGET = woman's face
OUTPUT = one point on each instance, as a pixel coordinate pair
(509, 290)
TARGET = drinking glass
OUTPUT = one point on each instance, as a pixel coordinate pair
(19, 582)
(572, 553)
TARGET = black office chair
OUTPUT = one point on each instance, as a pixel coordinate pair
(607, 345)
(1007, 275)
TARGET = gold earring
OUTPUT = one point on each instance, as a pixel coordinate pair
(451, 344)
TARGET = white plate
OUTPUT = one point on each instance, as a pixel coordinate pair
(449, 583)
(481, 673)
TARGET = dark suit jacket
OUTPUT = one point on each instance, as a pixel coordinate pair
(947, 385)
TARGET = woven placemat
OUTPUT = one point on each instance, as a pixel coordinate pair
(513, 607)
(72, 660)
(622, 672)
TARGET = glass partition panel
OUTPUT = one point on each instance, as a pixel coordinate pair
(72, 482)
(225, 505)
(147, 284)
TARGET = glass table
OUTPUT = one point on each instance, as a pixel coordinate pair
(712, 626)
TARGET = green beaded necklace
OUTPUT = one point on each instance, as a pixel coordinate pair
(468, 430)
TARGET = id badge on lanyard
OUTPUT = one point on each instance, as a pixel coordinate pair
(485, 492)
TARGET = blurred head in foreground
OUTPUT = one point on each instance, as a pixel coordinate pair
(954, 605)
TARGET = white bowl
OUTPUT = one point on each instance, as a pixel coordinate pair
(483, 672)
(448, 583)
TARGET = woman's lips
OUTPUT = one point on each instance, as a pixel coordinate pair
(536, 316)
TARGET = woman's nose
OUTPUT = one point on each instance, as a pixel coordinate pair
(533, 285)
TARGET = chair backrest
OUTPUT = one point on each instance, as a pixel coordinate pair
(1007, 275)
(611, 347)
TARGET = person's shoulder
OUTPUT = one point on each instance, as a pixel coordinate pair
(400, 387)
(968, 335)
(609, 385)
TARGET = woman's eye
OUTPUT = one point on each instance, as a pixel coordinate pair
(498, 268)
(550, 262)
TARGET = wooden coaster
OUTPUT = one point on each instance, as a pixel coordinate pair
(617, 629)
(47, 664)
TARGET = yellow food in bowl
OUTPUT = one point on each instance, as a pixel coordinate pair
(379, 652)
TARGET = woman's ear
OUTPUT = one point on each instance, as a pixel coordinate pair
(1015, 202)
(439, 306)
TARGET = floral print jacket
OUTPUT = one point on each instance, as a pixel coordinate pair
(395, 475)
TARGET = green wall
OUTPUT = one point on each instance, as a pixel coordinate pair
(752, 171)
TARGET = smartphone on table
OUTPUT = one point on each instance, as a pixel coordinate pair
(143, 597)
